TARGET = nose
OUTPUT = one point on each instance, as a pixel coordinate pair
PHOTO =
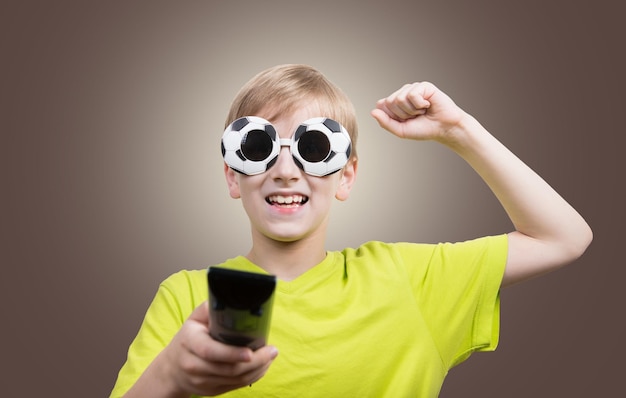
(285, 168)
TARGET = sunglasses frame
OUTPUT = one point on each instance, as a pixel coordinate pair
(236, 133)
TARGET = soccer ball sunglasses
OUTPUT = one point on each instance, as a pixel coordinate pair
(320, 146)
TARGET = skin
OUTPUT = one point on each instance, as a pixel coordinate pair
(548, 234)
(288, 241)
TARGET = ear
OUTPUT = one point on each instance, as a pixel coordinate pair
(347, 179)
(232, 181)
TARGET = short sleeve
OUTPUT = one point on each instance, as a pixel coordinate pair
(457, 291)
(175, 299)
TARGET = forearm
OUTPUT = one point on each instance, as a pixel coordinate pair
(548, 231)
(545, 221)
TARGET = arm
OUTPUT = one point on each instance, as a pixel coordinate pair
(548, 234)
(194, 363)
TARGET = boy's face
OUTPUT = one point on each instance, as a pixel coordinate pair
(284, 203)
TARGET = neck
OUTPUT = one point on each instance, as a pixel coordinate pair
(287, 260)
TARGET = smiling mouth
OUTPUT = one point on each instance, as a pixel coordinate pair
(287, 201)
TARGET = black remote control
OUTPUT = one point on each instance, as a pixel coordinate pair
(240, 306)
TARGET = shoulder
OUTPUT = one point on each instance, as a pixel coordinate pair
(193, 282)
(384, 260)
(375, 249)
(489, 249)
(185, 278)
(183, 290)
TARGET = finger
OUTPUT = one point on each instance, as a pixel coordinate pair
(202, 345)
(392, 111)
(220, 384)
(411, 99)
(384, 120)
(210, 378)
(400, 110)
(201, 313)
(244, 371)
(266, 354)
(215, 351)
(405, 103)
(401, 99)
(196, 340)
(394, 105)
(258, 366)
(416, 97)
(256, 374)
(209, 349)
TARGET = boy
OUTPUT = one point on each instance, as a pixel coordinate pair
(382, 320)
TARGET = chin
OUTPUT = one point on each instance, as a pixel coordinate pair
(287, 236)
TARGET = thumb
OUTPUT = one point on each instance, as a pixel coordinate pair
(384, 120)
(380, 116)
(201, 313)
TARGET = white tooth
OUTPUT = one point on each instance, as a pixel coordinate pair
(287, 200)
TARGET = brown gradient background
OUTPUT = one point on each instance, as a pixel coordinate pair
(112, 178)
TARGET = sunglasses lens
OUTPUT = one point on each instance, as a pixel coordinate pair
(256, 145)
(313, 146)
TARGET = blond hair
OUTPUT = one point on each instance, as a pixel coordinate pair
(285, 87)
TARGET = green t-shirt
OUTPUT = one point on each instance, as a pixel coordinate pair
(382, 320)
